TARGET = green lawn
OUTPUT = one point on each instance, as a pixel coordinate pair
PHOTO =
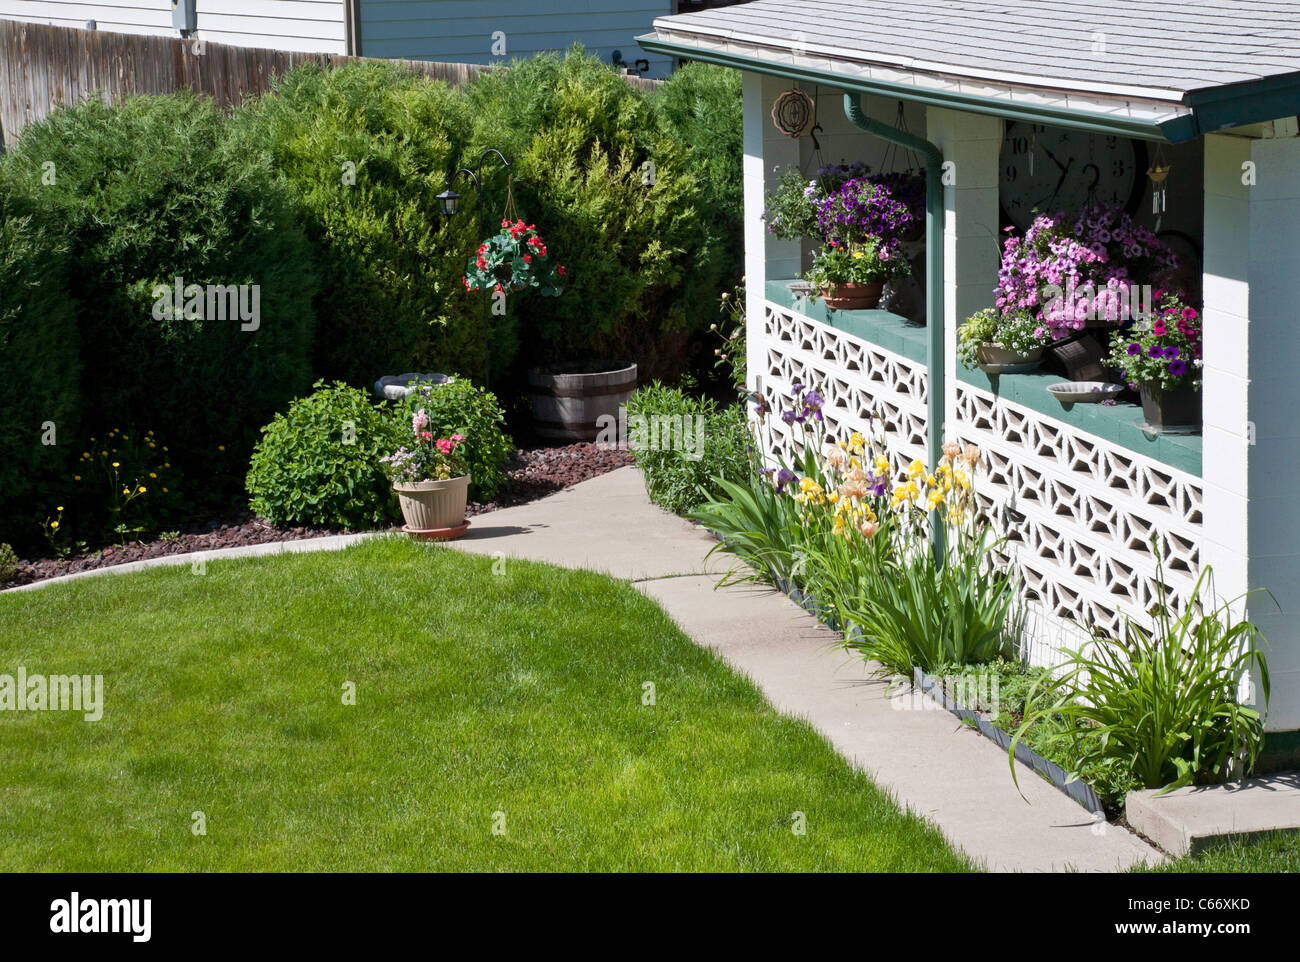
(477, 693)
(1270, 853)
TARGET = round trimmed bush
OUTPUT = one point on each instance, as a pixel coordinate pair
(318, 462)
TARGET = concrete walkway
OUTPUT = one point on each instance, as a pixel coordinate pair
(925, 759)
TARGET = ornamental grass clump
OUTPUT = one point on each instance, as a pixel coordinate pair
(1163, 704)
(1164, 348)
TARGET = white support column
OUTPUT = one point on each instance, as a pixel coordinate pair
(1274, 429)
(971, 142)
(767, 153)
(1251, 394)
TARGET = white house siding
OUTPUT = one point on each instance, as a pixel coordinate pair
(306, 25)
(462, 30)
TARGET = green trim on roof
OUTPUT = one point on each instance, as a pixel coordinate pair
(1175, 131)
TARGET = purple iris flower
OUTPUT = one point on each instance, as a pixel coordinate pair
(813, 400)
(878, 484)
(788, 417)
(783, 477)
(797, 388)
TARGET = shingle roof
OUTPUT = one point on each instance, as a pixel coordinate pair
(1158, 49)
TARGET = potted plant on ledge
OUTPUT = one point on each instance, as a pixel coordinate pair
(1161, 357)
(431, 482)
(852, 276)
(998, 343)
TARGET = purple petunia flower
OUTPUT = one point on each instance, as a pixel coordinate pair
(1171, 351)
(1154, 351)
(1135, 349)
(1177, 368)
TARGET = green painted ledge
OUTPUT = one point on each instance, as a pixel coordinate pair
(1116, 423)
(880, 328)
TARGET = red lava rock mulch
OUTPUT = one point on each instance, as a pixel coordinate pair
(534, 474)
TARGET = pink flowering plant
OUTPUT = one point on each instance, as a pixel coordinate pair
(1164, 348)
(515, 259)
(1068, 273)
(426, 458)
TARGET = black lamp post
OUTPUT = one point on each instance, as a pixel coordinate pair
(449, 200)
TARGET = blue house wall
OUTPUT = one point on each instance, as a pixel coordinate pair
(463, 30)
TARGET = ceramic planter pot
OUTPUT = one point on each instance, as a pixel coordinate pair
(995, 359)
(433, 506)
(853, 297)
(1176, 411)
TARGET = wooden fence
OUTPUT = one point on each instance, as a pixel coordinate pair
(44, 66)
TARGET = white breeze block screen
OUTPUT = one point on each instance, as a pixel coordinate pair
(1080, 511)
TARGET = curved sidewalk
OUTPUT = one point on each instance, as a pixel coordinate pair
(926, 759)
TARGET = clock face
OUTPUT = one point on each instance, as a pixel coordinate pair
(1052, 169)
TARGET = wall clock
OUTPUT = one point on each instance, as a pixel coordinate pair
(1069, 170)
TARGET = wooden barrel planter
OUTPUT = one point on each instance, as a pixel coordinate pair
(570, 399)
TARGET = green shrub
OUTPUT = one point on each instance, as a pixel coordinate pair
(634, 237)
(318, 463)
(460, 407)
(366, 149)
(683, 444)
(39, 368)
(145, 192)
(8, 563)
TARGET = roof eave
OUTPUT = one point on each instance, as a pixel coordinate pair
(1175, 125)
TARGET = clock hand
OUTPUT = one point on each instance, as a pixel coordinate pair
(1052, 156)
(1065, 172)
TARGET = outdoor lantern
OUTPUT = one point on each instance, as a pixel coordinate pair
(449, 200)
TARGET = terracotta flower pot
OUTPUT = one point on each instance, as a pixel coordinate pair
(431, 506)
(1178, 410)
(853, 297)
(995, 359)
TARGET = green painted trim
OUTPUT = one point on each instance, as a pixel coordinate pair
(1174, 131)
(1281, 753)
(1252, 102)
(1116, 423)
(880, 328)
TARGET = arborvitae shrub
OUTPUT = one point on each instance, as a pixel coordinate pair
(366, 149)
(39, 367)
(152, 190)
